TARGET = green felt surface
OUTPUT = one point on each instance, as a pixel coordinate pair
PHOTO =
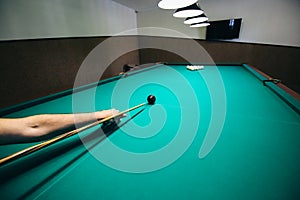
(216, 133)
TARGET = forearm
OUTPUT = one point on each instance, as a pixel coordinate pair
(37, 127)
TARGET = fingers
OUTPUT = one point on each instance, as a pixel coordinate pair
(109, 113)
(115, 112)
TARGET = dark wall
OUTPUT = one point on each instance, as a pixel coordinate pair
(34, 68)
(281, 62)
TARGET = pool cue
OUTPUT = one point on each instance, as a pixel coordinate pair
(44, 144)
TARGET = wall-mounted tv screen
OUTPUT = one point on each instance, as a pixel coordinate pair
(224, 29)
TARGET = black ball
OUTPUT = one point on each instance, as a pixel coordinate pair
(151, 99)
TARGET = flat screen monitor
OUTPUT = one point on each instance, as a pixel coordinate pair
(224, 29)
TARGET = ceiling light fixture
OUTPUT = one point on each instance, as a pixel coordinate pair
(197, 25)
(174, 4)
(189, 11)
(196, 19)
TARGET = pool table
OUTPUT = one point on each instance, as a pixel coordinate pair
(214, 133)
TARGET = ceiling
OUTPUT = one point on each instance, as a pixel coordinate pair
(139, 5)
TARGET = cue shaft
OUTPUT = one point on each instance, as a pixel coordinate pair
(42, 145)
